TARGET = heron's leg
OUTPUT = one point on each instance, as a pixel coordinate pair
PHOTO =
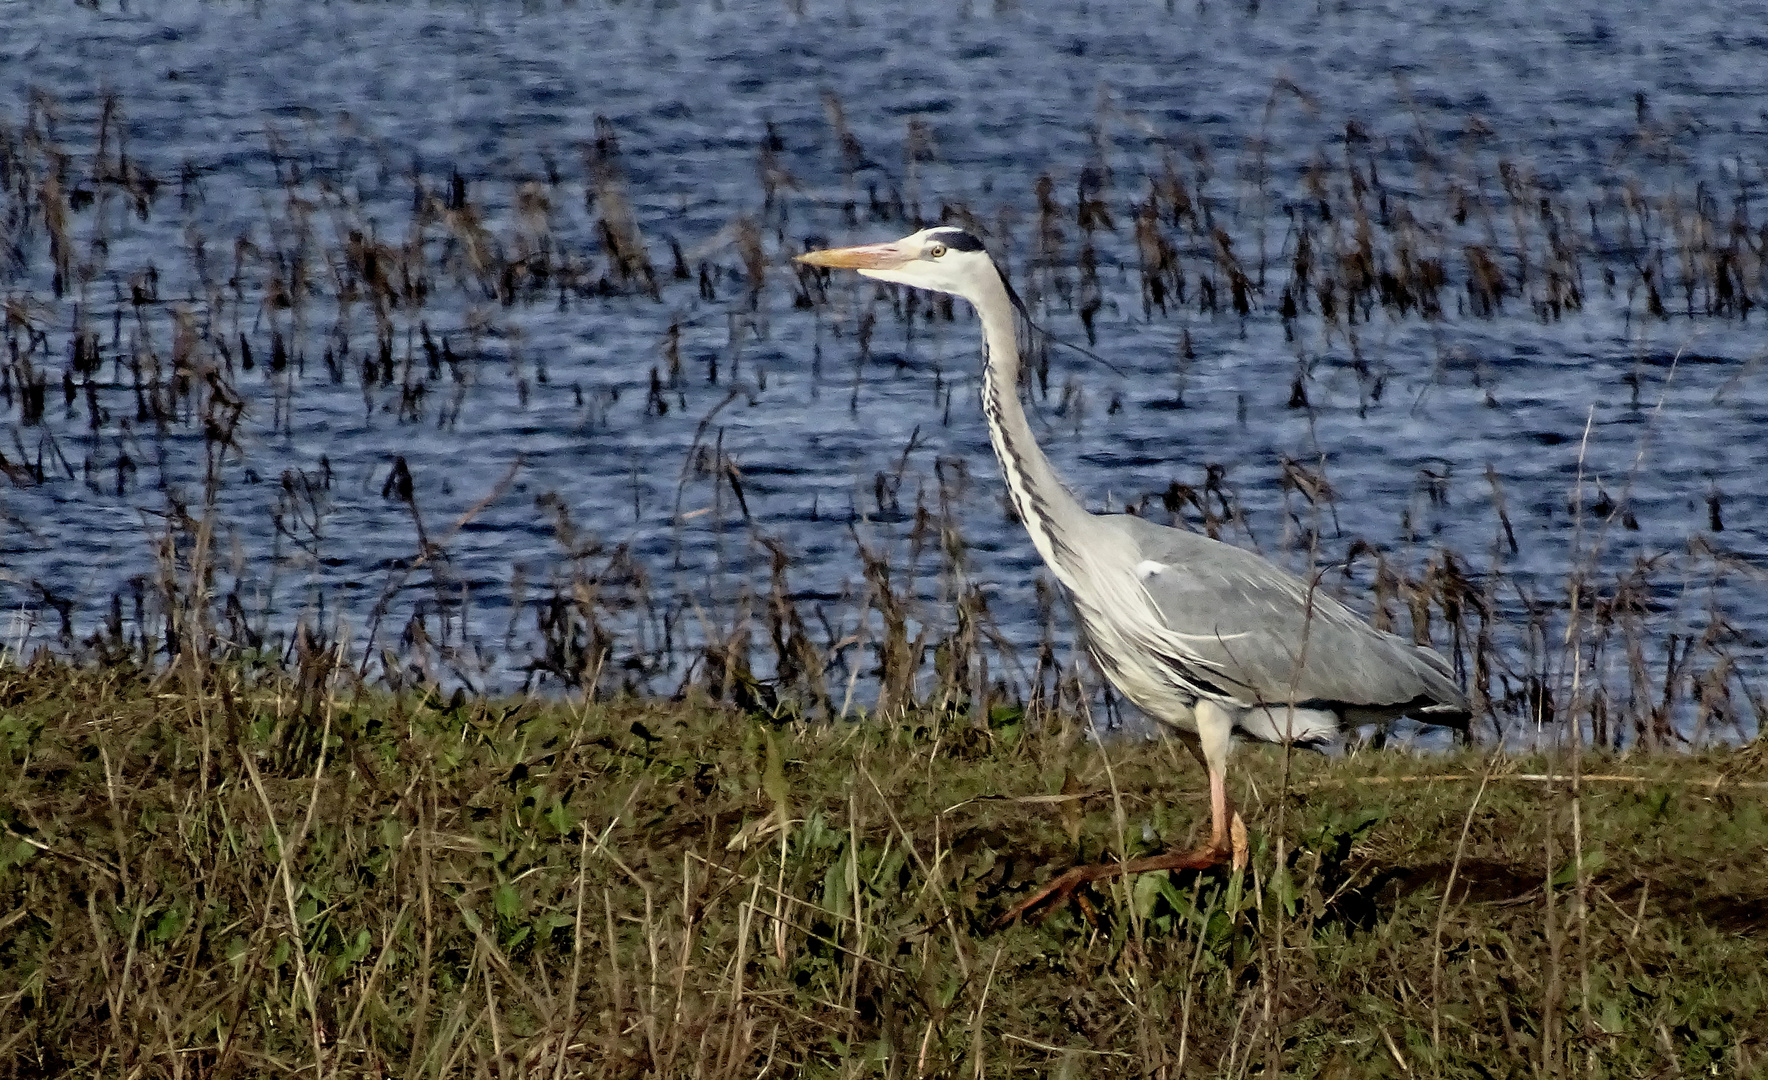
(1063, 886)
(1215, 739)
(1227, 833)
(1211, 746)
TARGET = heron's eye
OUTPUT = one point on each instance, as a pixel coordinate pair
(936, 250)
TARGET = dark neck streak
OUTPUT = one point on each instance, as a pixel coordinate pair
(1044, 504)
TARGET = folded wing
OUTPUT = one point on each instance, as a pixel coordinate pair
(1270, 638)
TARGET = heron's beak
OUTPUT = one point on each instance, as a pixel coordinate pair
(864, 257)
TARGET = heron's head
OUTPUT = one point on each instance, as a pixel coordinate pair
(944, 258)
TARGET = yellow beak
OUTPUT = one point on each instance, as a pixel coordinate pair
(864, 257)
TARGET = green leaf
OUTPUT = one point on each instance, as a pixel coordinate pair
(506, 901)
(773, 779)
(1181, 904)
(560, 817)
(1282, 886)
(948, 992)
(353, 953)
(236, 954)
(1145, 892)
(22, 852)
(888, 871)
(17, 734)
(167, 926)
(835, 898)
(1594, 859)
(1236, 892)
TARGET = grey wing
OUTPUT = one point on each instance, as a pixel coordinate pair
(1268, 637)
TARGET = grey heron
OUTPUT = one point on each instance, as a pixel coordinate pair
(1211, 641)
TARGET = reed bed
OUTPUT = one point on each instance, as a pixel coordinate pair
(114, 371)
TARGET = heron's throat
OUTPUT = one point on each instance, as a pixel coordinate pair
(1043, 502)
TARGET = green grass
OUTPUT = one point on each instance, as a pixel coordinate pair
(228, 879)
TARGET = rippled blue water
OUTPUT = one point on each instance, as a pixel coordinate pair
(1581, 96)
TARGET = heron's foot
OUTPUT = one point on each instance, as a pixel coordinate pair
(1056, 890)
(1063, 886)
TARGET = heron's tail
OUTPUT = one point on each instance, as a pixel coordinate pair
(1455, 715)
(1449, 709)
(1442, 704)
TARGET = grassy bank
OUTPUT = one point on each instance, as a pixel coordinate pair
(229, 879)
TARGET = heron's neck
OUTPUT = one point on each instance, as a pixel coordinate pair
(1044, 504)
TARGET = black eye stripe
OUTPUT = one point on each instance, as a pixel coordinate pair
(957, 239)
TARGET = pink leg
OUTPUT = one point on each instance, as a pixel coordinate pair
(1227, 843)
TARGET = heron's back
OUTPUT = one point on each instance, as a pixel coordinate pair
(1254, 633)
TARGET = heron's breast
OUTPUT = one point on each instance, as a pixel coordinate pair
(1133, 670)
